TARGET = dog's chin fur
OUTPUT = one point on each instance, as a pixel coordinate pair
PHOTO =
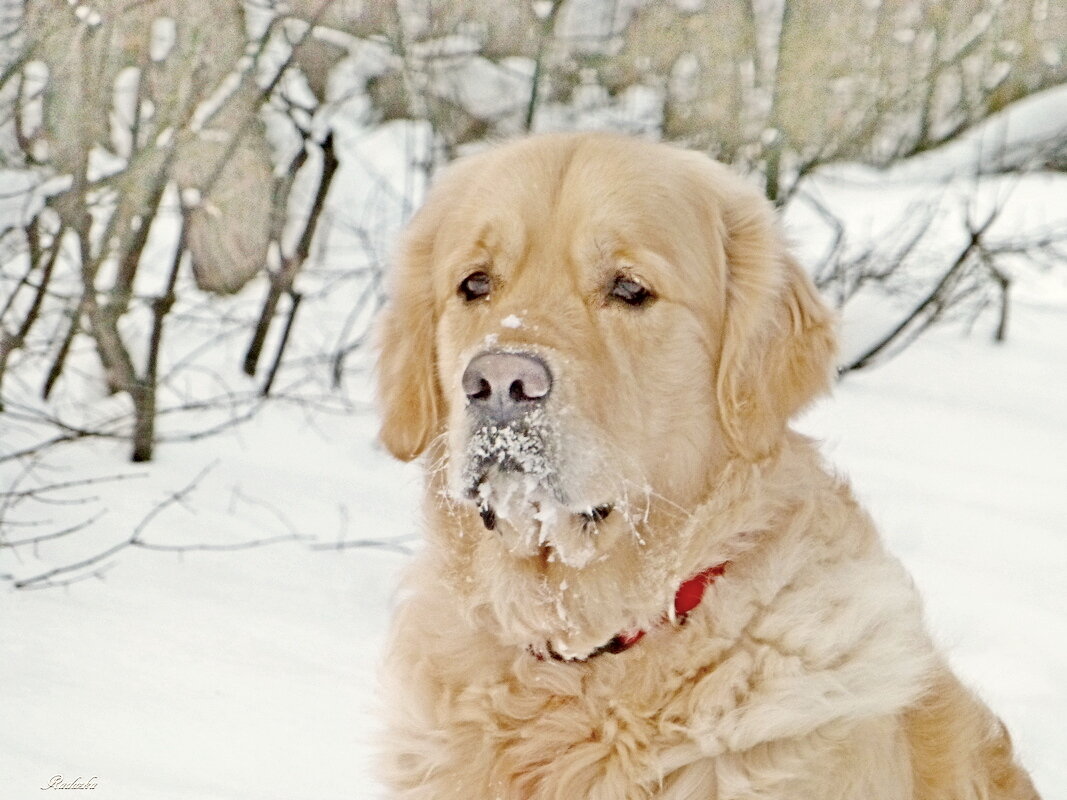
(533, 484)
(806, 672)
(531, 522)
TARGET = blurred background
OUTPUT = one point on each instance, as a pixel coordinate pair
(198, 202)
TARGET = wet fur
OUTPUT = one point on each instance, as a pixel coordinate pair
(807, 671)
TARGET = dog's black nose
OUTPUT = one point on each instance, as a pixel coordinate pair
(504, 385)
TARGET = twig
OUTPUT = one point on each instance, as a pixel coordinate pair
(144, 394)
(383, 544)
(11, 343)
(548, 25)
(282, 281)
(96, 573)
(37, 491)
(257, 502)
(60, 360)
(133, 540)
(221, 548)
(47, 537)
(337, 362)
(295, 298)
(929, 306)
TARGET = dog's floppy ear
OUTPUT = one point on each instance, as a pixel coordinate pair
(409, 390)
(409, 394)
(778, 342)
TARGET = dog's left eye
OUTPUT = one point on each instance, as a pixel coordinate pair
(475, 286)
(630, 291)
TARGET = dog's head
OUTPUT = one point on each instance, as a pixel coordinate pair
(584, 329)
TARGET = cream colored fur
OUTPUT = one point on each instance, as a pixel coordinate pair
(806, 672)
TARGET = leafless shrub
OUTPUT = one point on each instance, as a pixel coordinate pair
(140, 133)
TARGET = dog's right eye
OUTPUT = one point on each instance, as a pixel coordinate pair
(475, 286)
(630, 291)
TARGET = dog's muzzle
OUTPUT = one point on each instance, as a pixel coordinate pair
(513, 449)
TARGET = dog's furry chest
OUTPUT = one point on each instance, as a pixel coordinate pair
(775, 671)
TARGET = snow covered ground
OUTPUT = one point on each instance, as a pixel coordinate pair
(251, 674)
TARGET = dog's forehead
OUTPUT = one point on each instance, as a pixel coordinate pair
(584, 198)
(573, 176)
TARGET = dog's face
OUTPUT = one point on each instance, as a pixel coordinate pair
(584, 329)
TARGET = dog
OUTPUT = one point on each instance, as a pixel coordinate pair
(637, 580)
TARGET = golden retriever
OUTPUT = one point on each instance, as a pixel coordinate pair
(637, 581)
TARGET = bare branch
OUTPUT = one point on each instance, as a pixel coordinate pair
(931, 305)
(295, 298)
(397, 545)
(547, 29)
(134, 539)
(282, 281)
(220, 548)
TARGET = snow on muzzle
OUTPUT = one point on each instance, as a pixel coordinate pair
(512, 469)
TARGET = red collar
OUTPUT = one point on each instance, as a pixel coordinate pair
(688, 597)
